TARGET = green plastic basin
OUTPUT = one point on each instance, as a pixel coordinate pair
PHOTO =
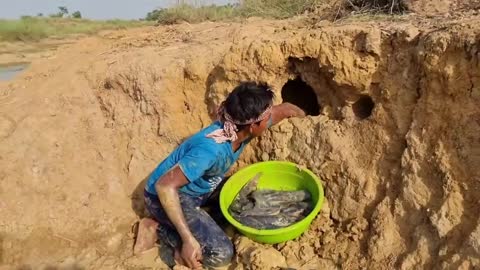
(277, 175)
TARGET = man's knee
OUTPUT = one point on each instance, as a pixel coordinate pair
(219, 255)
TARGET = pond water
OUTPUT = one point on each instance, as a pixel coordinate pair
(9, 71)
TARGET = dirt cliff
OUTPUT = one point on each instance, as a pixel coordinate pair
(393, 132)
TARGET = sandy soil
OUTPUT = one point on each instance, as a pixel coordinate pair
(397, 143)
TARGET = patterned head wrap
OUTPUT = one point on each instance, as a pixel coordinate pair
(229, 131)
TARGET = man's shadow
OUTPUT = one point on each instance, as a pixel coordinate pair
(137, 197)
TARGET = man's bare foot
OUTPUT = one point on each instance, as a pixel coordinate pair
(146, 236)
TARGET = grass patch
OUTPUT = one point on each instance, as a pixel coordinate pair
(275, 9)
(192, 14)
(34, 28)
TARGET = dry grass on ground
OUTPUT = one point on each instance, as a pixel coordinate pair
(36, 28)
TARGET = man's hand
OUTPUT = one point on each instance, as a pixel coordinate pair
(285, 110)
(293, 110)
(192, 253)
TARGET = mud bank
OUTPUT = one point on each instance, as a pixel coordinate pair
(393, 132)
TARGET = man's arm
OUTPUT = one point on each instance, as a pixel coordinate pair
(284, 111)
(167, 189)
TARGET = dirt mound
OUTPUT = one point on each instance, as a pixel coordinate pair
(394, 133)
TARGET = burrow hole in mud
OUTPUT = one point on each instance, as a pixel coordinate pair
(299, 93)
(363, 107)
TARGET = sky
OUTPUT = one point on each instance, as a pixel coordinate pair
(91, 9)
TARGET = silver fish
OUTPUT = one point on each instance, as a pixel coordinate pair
(269, 198)
(297, 209)
(242, 201)
(269, 209)
(256, 211)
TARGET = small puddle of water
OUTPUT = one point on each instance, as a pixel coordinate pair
(9, 71)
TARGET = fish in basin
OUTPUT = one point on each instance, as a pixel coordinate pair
(270, 198)
(265, 222)
(242, 201)
(267, 208)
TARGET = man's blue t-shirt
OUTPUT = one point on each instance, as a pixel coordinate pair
(203, 161)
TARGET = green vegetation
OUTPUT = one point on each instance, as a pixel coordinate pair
(277, 9)
(77, 15)
(63, 23)
(36, 28)
(189, 11)
(63, 13)
(192, 14)
(59, 24)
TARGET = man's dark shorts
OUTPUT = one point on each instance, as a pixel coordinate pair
(217, 249)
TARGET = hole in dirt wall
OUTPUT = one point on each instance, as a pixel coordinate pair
(299, 93)
(315, 90)
(363, 107)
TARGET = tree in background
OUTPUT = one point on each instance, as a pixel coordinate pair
(155, 14)
(63, 10)
(40, 14)
(77, 15)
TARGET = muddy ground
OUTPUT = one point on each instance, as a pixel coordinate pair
(393, 132)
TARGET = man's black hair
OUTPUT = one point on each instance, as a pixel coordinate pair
(248, 100)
